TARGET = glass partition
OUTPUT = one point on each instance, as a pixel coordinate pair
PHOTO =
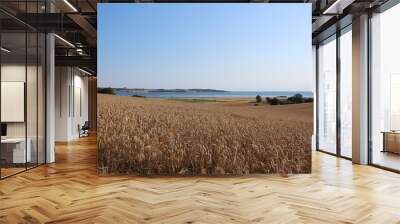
(41, 96)
(327, 96)
(31, 98)
(14, 153)
(23, 91)
(346, 93)
(385, 89)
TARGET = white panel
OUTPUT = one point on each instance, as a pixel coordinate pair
(77, 112)
(77, 105)
(395, 102)
(12, 101)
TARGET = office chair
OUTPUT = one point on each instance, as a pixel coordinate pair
(84, 130)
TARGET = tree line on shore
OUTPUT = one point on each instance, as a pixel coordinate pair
(278, 100)
(283, 100)
(106, 90)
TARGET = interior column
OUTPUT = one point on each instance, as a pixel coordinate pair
(50, 92)
(360, 90)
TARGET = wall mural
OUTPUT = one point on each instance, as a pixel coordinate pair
(201, 97)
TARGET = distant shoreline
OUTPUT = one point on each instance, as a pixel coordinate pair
(134, 90)
(210, 94)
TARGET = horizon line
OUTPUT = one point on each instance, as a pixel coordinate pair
(207, 89)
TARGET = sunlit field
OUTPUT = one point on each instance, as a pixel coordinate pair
(195, 137)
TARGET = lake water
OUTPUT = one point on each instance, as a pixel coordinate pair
(212, 94)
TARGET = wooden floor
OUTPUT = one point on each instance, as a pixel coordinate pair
(70, 191)
(387, 159)
(5, 172)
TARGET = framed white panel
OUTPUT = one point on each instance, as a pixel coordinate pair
(12, 101)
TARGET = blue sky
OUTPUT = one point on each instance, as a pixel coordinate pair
(242, 47)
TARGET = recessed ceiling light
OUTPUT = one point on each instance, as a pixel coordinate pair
(5, 50)
(64, 40)
(84, 71)
(337, 7)
(70, 5)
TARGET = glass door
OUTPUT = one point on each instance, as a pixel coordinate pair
(385, 89)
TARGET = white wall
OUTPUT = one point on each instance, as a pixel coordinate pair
(12, 73)
(62, 83)
(79, 115)
(71, 87)
(33, 126)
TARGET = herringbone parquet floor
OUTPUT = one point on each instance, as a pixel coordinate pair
(70, 191)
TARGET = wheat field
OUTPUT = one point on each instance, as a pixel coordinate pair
(167, 137)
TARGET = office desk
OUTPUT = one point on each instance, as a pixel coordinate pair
(13, 150)
(391, 141)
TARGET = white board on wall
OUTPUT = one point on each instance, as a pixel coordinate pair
(12, 101)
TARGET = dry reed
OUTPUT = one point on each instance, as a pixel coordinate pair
(158, 137)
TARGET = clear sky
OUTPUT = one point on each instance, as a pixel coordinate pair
(242, 47)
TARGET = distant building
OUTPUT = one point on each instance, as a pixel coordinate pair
(281, 98)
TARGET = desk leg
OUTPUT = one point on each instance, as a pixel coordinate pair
(384, 142)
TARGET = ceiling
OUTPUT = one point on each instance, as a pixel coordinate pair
(75, 21)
